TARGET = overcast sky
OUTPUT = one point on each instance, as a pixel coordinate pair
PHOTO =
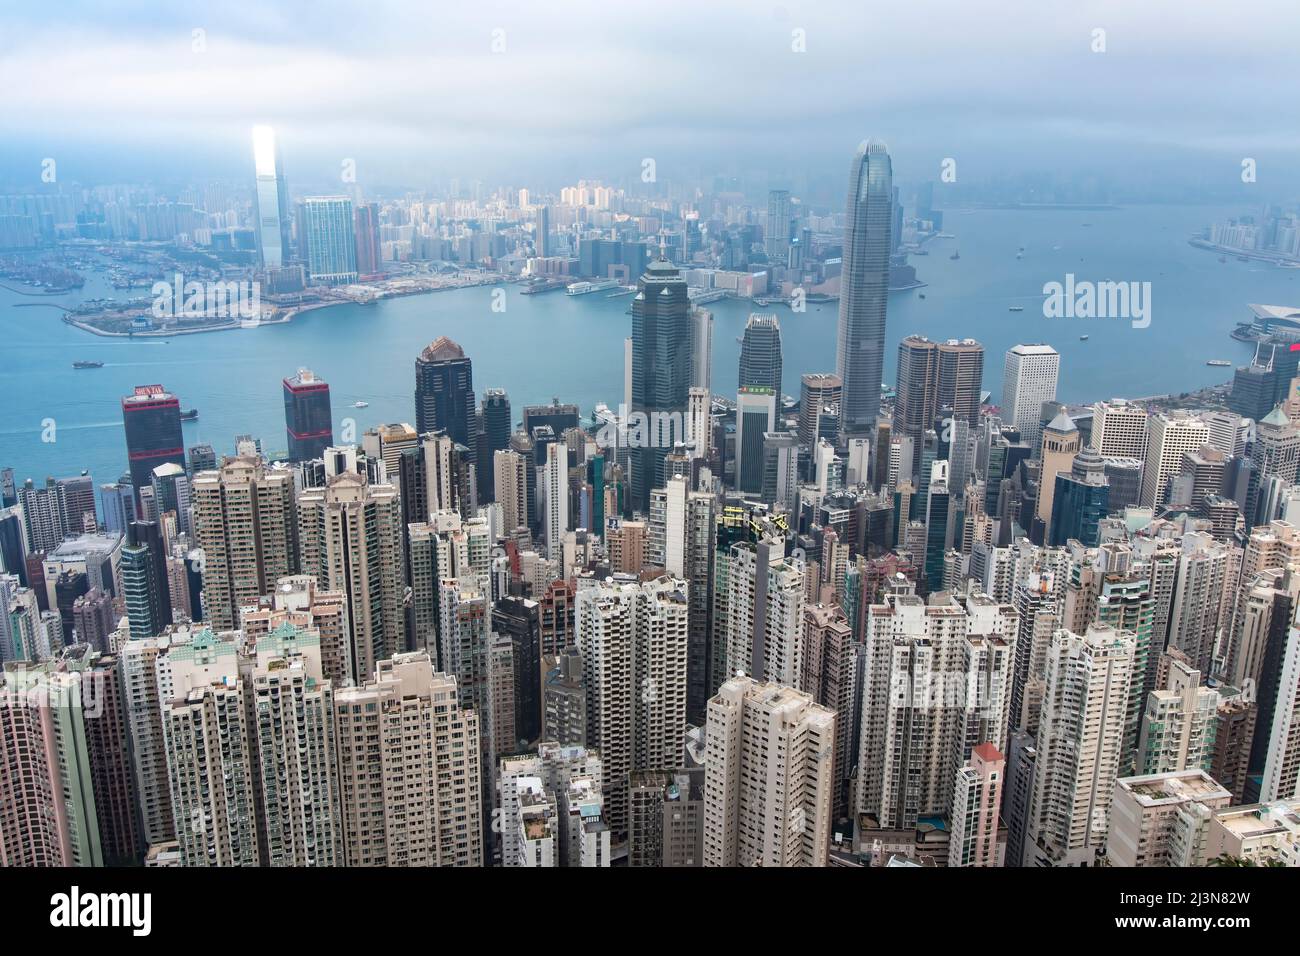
(414, 92)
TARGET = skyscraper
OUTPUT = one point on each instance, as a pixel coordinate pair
(633, 640)
(152, 419)
(760, 353)
(494, 435)
(976, 798)
(820, 395)
(1168, 437)
(663, 371)
(307, 419)
(760, 733)
(776, 237)
(369, 250)
(916, 391)
(755, 417)
(542, 232)
(351, 541)
(331, 244)
(1079, 502)
(271, 200)
(410, 784)
(960, 377)
(245, 523)
(864, 287)
(1029, 378)
(1080, 744)
(1059, 446)
(444, 392)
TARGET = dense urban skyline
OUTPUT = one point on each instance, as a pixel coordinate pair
(890, 506)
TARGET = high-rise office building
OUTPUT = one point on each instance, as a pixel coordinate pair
(494, 435)
(144, 580)
(760, 353)
(1169, 436)
(444, 392)
(270, 200)
(960, 377)
(1060, 443)
(663, 371)
(330, 239)
(1080, 501)
(1029, 378)
(308, 422)
(916, 389)
(755, 417)
(152, 418)
(1119, 430)
(759, 733)
(864, 287)
(820, 395)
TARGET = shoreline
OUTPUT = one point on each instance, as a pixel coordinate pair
(288, 316)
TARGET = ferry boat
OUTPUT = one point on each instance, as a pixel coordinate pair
(1219, 363)
(86, 364)
(585, 288)
(189, 414)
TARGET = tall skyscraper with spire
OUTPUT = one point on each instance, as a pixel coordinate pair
(864, 288)
(271, 200)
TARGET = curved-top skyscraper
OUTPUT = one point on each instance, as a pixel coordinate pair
(864, 288)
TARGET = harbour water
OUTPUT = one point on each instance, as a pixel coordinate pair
(571, 347)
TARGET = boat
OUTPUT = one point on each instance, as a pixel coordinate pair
(1016, 308)
(1219, 363)
(189, 415)
(584, 288)
(921, 294)
(955, 255)
(86, 364)
(1083, 338)
(360, 404)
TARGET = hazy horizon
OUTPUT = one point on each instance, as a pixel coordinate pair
(419, 97)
